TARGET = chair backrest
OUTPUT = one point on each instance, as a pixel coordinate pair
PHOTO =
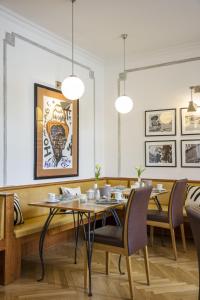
(176, 202)
(194, 219)
(135, 226)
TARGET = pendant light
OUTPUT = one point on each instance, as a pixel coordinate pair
(192, 106)
(72, 87)
(124, 104)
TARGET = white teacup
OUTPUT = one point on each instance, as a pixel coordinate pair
(83, 198)
(90, 194)
(118, 195)
(159, 186)
(51, 197)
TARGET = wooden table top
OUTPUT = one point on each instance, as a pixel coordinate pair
(154, 194)
(90, 205)
(76, 205)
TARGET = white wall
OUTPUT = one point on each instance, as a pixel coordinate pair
(159, 88)
(27, 63)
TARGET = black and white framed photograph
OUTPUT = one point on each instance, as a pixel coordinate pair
(160, 153)
(190, 153)
(190, 121)
(160, 122)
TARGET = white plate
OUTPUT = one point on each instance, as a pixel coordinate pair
(155, 190)
(54, 201)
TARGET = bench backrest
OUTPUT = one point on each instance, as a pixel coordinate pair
(33, 193)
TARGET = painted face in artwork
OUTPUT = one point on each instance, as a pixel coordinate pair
(58, 133)
(58, 140)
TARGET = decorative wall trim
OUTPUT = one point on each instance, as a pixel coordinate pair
(121, 77)
(4, 111)
(9, 40)
(119, 129)
(166, 64)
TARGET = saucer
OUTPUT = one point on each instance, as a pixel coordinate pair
(158, 190)
(53, 201)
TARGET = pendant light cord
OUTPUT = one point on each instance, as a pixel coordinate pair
(73, 37)
(124, 64)
(124, 37)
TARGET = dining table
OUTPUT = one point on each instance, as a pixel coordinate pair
(90, 210)
(87, 213)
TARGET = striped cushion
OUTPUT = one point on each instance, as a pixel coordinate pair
(18, 217)
(193, 196)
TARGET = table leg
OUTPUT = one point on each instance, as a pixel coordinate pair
(89, 239)
(52, 213)
(157, 202)
(118, 223)
(116, 217)
(76, 230)
(104, 218)
(159, 206)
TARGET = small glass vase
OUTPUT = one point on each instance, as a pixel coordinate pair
(139, 181)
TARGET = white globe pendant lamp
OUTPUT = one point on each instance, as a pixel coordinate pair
(124, 104)
(72, 87)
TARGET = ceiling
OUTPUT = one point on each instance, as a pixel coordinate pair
(150, 24)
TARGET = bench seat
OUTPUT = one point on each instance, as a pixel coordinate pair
(34, 225)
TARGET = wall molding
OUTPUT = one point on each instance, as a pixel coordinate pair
(9, 40)
(165, 64)
(43, 33)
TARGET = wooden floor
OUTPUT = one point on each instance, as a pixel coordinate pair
(170, 280)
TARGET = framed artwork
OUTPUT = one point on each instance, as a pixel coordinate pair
(160, 153)
(190, 153)
(56, 134)
(160, 122)
(190, 122)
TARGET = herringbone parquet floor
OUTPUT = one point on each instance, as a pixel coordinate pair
(170, 280)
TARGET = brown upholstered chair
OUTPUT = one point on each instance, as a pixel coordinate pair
(174, 217)
(194, 218)
(128, 239)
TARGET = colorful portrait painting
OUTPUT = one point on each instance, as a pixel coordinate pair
(56, 136)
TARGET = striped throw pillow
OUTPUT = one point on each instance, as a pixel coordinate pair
(193, 196)
(18, 217)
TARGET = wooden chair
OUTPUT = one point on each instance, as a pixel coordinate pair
(173, 217)
(128, 239)
(194, 219)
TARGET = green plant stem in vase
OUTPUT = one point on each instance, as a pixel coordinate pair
(139, 171)
(97, 172)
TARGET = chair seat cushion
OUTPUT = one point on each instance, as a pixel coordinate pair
(111, 235)
(155, 215)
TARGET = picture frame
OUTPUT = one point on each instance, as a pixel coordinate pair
(56, 134)
(190, 153)
(190, 122)
(160, 122)
(160, 153)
